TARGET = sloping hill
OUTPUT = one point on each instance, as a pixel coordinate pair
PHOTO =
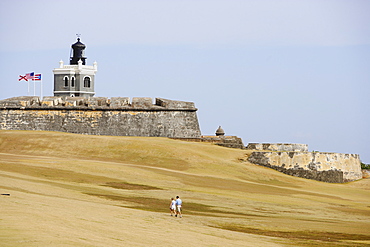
(78, 190)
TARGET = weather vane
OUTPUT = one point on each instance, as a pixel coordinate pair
(78, 35)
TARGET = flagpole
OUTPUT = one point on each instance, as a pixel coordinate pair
(28, 83)
(41, 89)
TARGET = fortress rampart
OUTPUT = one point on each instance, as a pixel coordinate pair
(326, 167)
(223, 141)
(117, 116)
(291, 147)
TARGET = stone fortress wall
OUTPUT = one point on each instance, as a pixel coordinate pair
(223, 141)
(117, 116)
(120, 116)
(292, 147)
(326, 167)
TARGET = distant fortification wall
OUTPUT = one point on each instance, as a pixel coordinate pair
(327, 167)
(223, 141)
(291, 147)
(101, 116)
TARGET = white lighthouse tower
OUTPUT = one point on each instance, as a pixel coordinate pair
(76, 79)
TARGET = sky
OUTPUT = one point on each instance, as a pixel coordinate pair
(268, 71)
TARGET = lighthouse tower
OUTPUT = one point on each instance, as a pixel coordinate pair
(76, 79)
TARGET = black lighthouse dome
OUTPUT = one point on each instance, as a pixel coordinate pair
(78, 53)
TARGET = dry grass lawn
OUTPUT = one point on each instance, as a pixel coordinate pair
(63, 189)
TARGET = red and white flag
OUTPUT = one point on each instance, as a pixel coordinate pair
(30, 76)
(37, 77)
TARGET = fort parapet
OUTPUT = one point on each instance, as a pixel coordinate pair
(223, 141)
(292, 147)
(326, 167)
(116, 116)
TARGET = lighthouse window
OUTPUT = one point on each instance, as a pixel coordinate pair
(87, 82)
(66, 81)
(72, 82)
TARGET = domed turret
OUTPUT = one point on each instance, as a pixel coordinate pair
(220, 131)
(78, 53)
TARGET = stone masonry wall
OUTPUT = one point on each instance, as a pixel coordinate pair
(101, 116)
(291, 147)
(224, 141)
(326, 167)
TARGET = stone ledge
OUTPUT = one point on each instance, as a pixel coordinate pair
(95, 103)
(224, 141)
(294, 147)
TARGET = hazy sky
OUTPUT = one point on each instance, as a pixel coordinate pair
(267, 70)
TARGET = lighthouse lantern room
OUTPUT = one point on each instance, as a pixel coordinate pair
(76, 79)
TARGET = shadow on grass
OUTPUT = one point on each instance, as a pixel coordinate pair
(129, 186)
(305, 238)
(162, 205)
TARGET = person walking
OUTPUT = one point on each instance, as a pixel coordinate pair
(173, 206)
(178, 206)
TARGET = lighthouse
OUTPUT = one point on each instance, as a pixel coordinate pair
(76, 79)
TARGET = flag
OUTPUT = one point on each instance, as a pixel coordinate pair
(22, 77)
(37, 77)
(30, 76)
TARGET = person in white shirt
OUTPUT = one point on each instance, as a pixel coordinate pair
(173, 206)
(178, 205)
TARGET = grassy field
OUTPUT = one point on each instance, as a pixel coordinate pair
(79, 190)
